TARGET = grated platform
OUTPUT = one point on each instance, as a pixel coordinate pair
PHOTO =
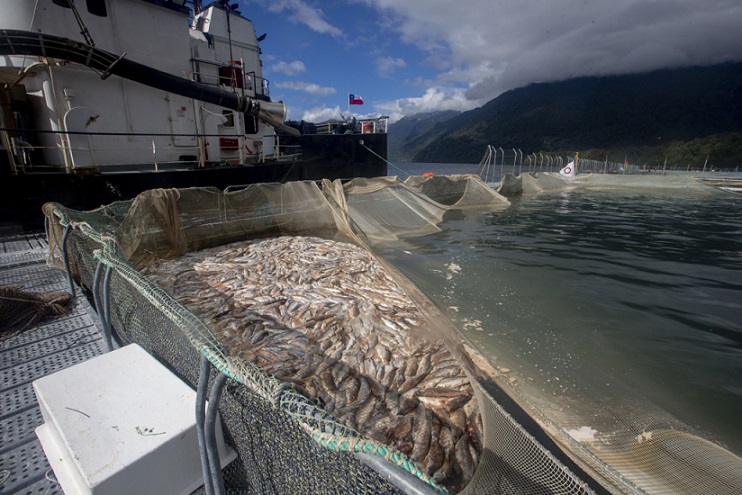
(55, 344)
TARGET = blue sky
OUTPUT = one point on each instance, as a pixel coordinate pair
(409, 56)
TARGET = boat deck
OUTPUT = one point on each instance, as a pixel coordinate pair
(55, 344)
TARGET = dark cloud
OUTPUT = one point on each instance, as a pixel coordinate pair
(491, 46)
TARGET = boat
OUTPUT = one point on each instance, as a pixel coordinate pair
(102, 100)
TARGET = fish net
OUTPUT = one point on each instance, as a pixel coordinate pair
(632, 445)
(331, 352)
(537, 182)
(21, 309)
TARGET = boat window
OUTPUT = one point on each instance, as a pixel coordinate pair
(63, 3)
(251, 124)
(229, 115)
(97, 7)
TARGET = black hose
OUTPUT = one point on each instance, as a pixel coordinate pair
(16, 42)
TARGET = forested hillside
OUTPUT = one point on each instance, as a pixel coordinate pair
(683, 115)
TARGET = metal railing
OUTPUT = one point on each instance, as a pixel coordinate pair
(378, 125)
(143, 151)
(497, 162)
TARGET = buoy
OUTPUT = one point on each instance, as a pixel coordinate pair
(428, 174)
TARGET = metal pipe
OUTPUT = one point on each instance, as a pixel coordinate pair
(210, 433)
(203, 383)
(107, 309)
(17, 42)
(520, 166)
(397, 476)
(96, 298)
(66, 258)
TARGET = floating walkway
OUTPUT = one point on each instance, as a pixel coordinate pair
(55, 344)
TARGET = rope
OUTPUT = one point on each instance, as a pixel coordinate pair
(387, 161)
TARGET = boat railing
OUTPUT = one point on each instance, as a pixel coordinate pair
(89, 152)
(379, 125)
(231, 75)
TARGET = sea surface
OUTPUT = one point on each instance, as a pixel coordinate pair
(611, 311)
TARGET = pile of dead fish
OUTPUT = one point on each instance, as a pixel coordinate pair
(327, 316)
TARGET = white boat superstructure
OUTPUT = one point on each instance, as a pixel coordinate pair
(62, 112)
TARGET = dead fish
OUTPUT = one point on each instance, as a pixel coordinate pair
(444, 473)
(364, 391)
(475, 434)
(383, 431)
(421, 433)
(339, 372)
(457, 382)
(458, 423)
(402, 426)
(351, 386)
(411, 383)
(434, 459)
(388, 378)
(407, 405)
(456, 403)
(376, 388)
(364, 412)
(327, 381)
(441, 392)
(327, 318)
(463, 457)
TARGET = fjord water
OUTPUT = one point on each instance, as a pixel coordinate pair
(610, 311)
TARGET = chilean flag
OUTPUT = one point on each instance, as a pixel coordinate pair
(355, 99)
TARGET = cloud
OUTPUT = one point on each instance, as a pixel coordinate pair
(321, 114)
(290, 68)
(311, 88)
(386, 65)
(303, 13)
(486, 47)
(434, 99)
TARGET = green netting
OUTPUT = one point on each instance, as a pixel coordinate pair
(286, 423)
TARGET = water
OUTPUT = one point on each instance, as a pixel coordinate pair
(620, 311)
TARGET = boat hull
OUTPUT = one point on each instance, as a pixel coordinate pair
(323, 157)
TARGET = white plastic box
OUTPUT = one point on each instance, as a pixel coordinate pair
(122, 423)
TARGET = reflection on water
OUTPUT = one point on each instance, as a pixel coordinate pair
(616, 311)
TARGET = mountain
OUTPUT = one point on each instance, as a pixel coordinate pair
(682, 113)
(402, 140)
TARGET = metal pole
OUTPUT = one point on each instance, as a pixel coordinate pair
(521, 161)
(107, 309)
(494, 166)
(66, 258)
(515, 158)
(203, 383)
(401, 479)
(96, 299)
(210, 433)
